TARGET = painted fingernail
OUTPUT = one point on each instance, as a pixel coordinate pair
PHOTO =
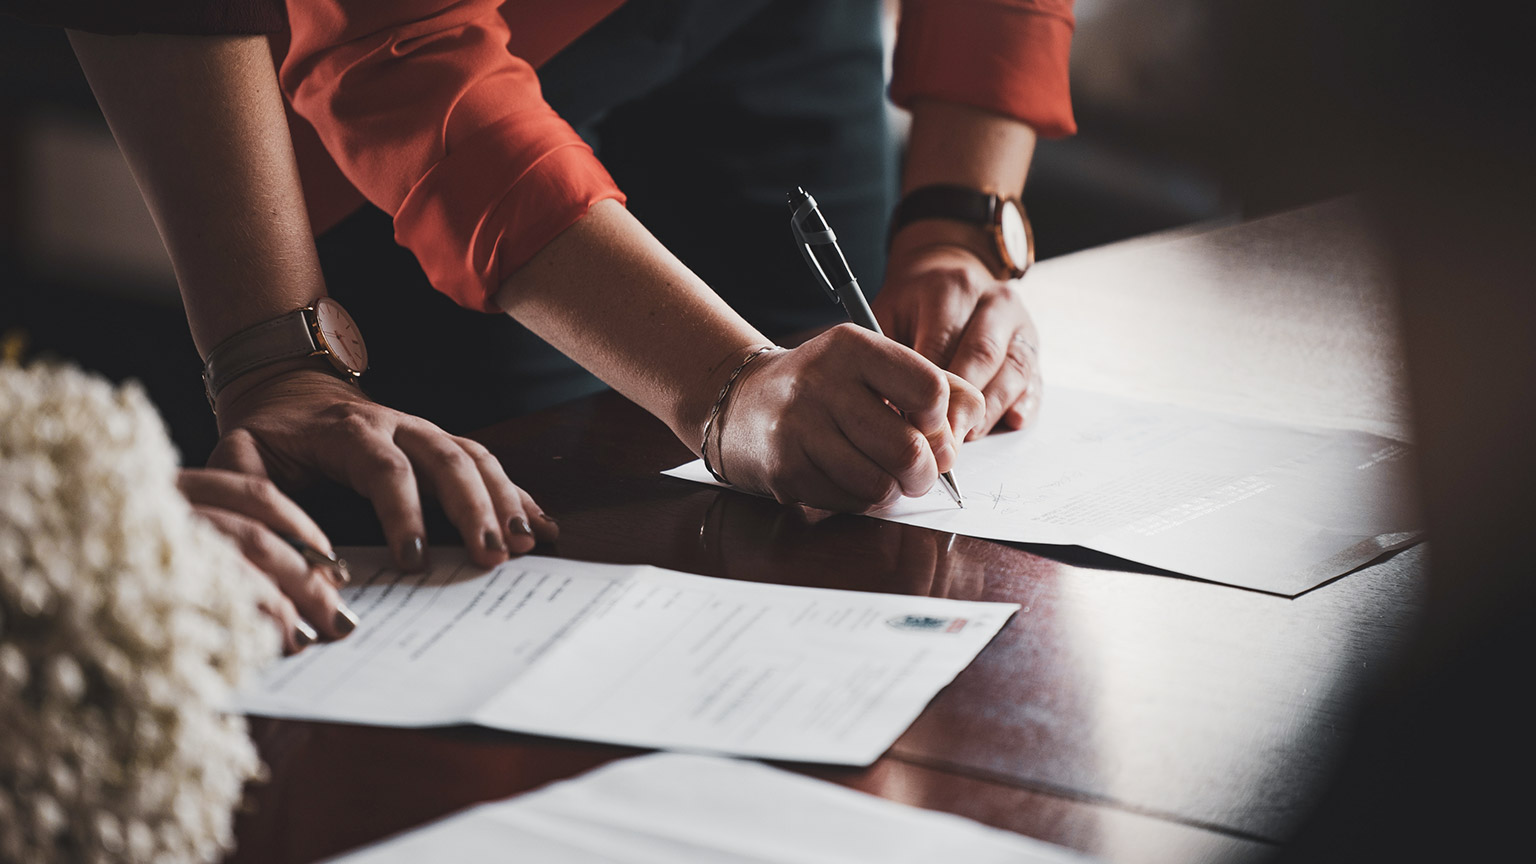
(492, 541)
(339, 570)
(304, 635)
(413, 553)
(548, 518)
(346, 620)
(519, 525)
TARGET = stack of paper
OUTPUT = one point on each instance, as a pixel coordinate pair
(674, 809)
(1229, 499)
(632, 655)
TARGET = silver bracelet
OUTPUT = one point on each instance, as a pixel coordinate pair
(714, 413)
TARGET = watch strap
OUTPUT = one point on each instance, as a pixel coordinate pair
(286, 337)
(961, 203)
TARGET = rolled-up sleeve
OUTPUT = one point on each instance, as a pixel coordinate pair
(426, 112)
(1009, 57)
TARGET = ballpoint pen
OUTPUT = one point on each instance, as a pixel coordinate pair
(315, 558)
(818, 245)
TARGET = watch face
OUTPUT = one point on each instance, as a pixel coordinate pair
(340, 335)
(1017, 242)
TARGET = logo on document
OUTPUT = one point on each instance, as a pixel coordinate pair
(927, 623)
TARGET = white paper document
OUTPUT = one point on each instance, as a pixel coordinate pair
(631, 655)
(1230, 499)
(669, 808)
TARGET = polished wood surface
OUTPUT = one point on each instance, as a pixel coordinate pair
(1136, 715)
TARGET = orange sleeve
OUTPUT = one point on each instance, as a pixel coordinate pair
(433, 120)
(1005, 56)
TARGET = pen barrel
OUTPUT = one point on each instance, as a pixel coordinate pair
(856, 306)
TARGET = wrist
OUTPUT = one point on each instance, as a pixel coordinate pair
(303, 373)
(702, 402)
(921, 237)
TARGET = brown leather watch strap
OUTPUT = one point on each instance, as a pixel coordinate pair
(283, 338)
(961, 203)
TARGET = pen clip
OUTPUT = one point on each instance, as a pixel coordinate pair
(805, 240)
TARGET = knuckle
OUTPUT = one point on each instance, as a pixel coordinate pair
(448, 459)
(1018, 356)
(935, 385)
(259, 545)
(351, 421)
(259, 489)
(475, 449)
(387, 463)
(988, 349)
(910, 457)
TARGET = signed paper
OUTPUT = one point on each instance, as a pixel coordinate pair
(1235, 500)
(631, 655)
(681, 809)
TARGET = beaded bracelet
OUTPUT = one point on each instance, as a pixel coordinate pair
(714, 413)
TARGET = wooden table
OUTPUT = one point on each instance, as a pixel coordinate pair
(1135, 716)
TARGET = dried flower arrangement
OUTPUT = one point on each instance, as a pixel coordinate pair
(125, 621)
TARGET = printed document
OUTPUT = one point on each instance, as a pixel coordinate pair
(1219, 497)
(679, 809)
(631, 655)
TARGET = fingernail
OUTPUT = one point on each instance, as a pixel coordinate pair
(340, 571)
(413, 553)
(547, 518)
(492, 541)
(519, 525)
(304, 635)
(346, 619)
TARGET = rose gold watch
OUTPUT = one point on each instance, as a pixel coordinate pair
(322, 330)
(1000, 216)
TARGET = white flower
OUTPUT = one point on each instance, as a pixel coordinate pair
(125, 621)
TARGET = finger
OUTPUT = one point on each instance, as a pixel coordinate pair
(916, 387)
(1007, 387)
(521, 520)
(237, 450)
(987, 346)
(967, 410)
(1027, 408)
(891, 443)
(842, 478)
(452, 475)
(984, 345)
(802, 481)
(382, 473)
(545, 528)
(941, 319)
(311, 593)
(259, 499)
(295, 633)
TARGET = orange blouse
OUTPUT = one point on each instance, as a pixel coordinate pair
(431, 110)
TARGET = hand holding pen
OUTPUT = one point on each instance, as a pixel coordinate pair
(818, 244)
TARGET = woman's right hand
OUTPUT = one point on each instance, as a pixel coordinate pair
(816, 424)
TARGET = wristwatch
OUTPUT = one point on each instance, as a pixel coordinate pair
(321, 330)
(1002, 217)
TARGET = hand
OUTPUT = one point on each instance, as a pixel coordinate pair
(258, 518)
(302, 423)
(816, 424)
(940, 298)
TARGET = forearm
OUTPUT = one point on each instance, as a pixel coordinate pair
(201, 123)
(611, 297)
(960, 145)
